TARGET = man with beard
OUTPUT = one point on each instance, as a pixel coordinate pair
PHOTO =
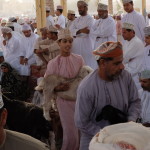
(104, 28)
(133, 52)
(134, 18)
(145, 97)
(111, 85)
(11, 48)
(80, 29)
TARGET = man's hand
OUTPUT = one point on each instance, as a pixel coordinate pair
(26, 61)
(22, 60)
(62, 87)
(57, 26)
(44, 50)
(4, 42)
(37, 51)
(85, 30)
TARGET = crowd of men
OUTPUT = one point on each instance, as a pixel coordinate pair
(118, 49)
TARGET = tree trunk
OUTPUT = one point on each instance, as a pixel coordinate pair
(50, 3)
(110, 6)
(64, 5)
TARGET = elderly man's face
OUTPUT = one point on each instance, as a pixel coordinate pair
(27, 33)
(113, 68)
(128, 7)
(145, 83)
(82, 10)
(102, 13)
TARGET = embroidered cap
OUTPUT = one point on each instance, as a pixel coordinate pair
(71, 12)
(64, 33)
(102, 6)
(108, 49)
(26, 27)
(147, 31)
(126, 1)
(47, 8)
(3, 21)
(82, 3)
(59, 7)
(52, 29)
(11, 19)
(145, 74)
(127, 25)
(6, 30)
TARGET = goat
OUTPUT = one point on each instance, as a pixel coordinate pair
(50, 82)
(28, 119)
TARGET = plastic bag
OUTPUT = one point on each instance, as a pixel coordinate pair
(25, 70)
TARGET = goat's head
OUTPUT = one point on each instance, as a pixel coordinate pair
(84, 71)
(40, 84)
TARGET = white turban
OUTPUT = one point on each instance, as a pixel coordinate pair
(6, 30)
(11, 19)
(145, 74)
(3, 21)
(26, 27)
(147, 31)
(133, 134)
(20, 21)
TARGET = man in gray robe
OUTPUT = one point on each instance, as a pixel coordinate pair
(111, 85)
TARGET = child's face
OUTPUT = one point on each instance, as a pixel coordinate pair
(147, 40)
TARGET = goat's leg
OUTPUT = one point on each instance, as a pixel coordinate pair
(47, 104)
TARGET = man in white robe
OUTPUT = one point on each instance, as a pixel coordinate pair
(145, 97)
(111, 85)
(12, 48)
(104, 28)
(80, 29)
(49, 18)
(71, 18)
(61, 20)
(133, 50)
(17, 26)
(134, 18)
(148, 19)
(48, 48)
(27, 56)
(146, 59)
(3, 22)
